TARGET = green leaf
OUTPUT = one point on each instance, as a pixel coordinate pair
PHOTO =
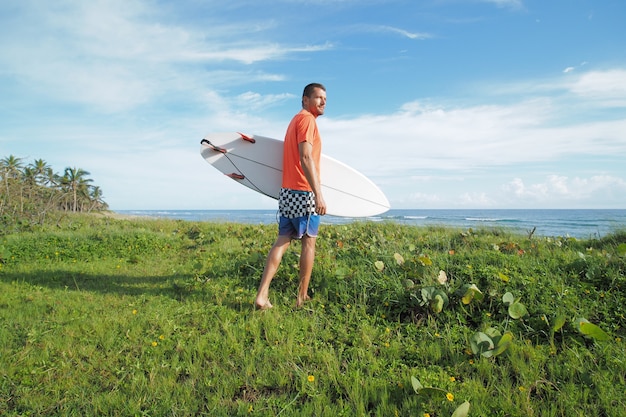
(503, 277)
(425, 260)
(508, 298)
(436, 304)
(559, 322)
(427, 294)
(621, 249)
(433, 392)
(591, 330)
(470, 292)
(462, 410)
(417, 385)
(503, 343)
(422, 390)
(493, 333)
(517, 310)
(481, 343)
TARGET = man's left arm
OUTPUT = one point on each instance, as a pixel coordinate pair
(310, 172)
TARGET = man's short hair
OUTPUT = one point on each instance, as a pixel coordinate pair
(308, 90)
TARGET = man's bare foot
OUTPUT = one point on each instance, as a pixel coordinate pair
(300, 301)
(263, 305)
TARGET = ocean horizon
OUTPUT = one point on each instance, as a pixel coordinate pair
(578, 223)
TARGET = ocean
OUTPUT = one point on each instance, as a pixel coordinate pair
(565, 223)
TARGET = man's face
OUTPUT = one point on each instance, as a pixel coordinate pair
(316, 103)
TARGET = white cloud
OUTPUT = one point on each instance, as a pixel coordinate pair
(254, 53)
(405, 33)
(568, 190)
(607, 88)
(254, 101)
(419, 139)
(365, 28)
(113, 57)
(476, 199)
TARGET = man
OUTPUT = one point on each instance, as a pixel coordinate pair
(301, 202)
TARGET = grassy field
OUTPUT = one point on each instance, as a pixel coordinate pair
(102, 316)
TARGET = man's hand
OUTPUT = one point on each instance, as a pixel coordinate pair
(320, 205)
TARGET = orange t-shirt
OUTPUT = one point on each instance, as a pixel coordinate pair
(302, 128)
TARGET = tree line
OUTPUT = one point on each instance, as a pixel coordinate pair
(29, 192)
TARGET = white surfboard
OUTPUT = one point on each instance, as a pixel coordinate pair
(256, 162)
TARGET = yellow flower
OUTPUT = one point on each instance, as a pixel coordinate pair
(521, 388)
(471, 361)
(154, 344)
(449, 396)
(452, 379)
(161, 337)
(134, 311)
(250, 409)
(426, 414)
(311, 378)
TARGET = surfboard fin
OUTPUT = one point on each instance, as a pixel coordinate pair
(247, 138)
(236, 176)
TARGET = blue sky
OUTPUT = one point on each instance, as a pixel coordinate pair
(442, 103)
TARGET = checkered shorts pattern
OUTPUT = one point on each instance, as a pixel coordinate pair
(294, 203)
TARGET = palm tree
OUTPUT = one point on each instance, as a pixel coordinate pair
(76, 182)
(10, 170)
(43, 172)
(29, 181)
(96, 199)
(11, 166)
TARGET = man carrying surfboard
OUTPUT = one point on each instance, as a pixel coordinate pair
(300, 202)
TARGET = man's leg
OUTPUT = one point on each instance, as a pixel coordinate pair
(271, 266)
(307, 257)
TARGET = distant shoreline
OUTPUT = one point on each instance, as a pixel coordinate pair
(122, 216)
(581, 223)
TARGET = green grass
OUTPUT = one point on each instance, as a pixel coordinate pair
(155, 317)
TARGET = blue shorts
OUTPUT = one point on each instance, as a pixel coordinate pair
(297, 227)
